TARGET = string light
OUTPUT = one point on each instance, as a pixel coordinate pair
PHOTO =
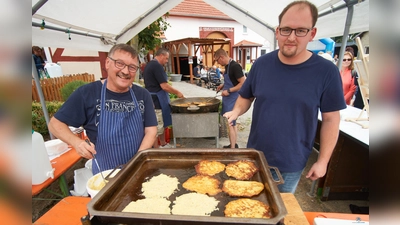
(43, 24)
(69, 34)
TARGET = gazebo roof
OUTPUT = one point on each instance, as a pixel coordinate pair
(245, 43)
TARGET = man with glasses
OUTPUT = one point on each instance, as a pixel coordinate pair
(156, 82)
(233, 81)
(289, 86)
(117, 115)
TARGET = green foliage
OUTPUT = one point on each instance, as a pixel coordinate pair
(38, 121)
(172, 96)
(149, 38)
(70, 87)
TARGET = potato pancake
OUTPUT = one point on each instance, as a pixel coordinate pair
(242, 188)
(247, 208)
(241, 170)
(203, 184)
(206, 167)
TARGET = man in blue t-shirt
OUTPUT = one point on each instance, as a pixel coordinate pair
(156, 82)
(117, 115)
(289, 86)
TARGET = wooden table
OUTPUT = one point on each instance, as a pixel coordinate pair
(61, 164)
(70, 210)
(347, 176)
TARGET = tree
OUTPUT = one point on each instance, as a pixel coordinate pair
(149, 38)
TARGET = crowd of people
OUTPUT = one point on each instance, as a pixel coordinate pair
(121, 118)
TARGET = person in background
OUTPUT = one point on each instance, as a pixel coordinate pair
(233, 81)
(289, 86)
(37, 57)
(156, 82)
(196, 71)
(117, 115)
(218, 70)
(348, 75)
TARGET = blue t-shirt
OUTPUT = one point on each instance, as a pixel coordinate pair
(153, 76)
(287, 101)
(82, 108)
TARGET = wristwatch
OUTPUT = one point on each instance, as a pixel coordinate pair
(229, 90)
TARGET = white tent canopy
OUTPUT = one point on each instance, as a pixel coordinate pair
(120, 20)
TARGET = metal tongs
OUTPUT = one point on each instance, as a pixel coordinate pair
(95, 160)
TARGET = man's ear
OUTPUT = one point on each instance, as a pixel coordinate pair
(107, 64)
(313, 33)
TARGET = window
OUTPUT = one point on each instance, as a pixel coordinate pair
(263, 51)
(244, 29)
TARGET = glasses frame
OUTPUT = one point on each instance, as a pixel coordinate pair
(295, 31)
(344, 60)
(118, 64)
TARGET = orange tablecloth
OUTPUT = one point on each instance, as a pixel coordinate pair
(66, 212)
(60, 164)
(311, 215)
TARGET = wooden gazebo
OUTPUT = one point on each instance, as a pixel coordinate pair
(243, 46)
(189, 47)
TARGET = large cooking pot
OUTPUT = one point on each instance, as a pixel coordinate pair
(195, 105)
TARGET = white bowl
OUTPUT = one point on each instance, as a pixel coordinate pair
(96, 183)
(88, 164)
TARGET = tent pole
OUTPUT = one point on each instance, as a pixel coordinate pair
(349, 18)
(40, 92)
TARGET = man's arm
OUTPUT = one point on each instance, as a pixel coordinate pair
(168, 88)
(150, 135)
(328, 137)
(241, 106)
(239, 85)
(62, 132)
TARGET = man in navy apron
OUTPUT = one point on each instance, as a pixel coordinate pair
(233, 81)
(117, 115)
(156, 82)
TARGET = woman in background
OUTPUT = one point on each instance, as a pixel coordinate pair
(348, 77)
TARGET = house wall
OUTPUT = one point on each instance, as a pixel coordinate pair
(184, 27)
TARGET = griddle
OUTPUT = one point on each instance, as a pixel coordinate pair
(126, 186)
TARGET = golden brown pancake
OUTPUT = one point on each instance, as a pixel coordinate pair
(241, 170)
(203, 184)
(242, 188)
(247, 208)
(205, 167)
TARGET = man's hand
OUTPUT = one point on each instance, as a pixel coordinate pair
(180, 95)
(220, 87)
(85, 150)
(317, 170)
(231, 116)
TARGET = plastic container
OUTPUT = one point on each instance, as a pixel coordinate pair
(41, 167)
(53, 69)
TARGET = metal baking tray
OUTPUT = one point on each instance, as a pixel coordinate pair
(126, 186)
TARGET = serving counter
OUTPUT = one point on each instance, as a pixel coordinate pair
(347, 176)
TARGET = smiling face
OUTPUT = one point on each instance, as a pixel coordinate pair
(347, 60)
(119, 80)
(292, 49)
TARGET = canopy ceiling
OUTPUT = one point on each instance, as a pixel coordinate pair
(117, 21)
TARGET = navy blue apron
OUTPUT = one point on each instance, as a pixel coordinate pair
(119, 134)
(164, 100)
(228, 101)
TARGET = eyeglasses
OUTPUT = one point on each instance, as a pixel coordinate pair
(344, 60)
(299, 32)
(121, 65)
